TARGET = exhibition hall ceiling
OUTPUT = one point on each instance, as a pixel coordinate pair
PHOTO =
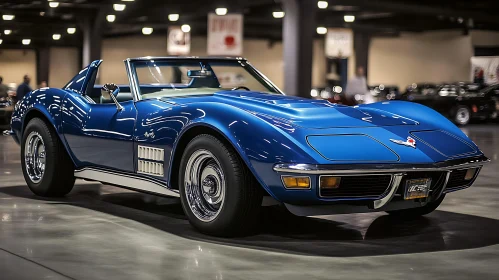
(42, 21)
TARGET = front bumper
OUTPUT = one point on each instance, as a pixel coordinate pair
(389, 198)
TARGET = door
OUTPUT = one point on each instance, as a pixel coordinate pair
(98, 134)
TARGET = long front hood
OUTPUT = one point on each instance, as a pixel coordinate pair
(302, 112)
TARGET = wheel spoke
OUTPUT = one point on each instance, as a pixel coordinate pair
(34, 155)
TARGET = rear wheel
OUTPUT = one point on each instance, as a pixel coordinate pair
(218, 193)
(462, 115)
(417, 212)
(47, 168)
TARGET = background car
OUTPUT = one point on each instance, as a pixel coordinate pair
(6, 109)
(455, 102)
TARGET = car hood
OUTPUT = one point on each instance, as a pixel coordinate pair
(302, 112)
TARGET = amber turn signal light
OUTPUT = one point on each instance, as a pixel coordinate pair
(291, 182)
(470, 174)
(330, 182)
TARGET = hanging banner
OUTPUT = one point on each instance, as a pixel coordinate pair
(225, 34)
(339, 42)
(179, 42)
(485, 69)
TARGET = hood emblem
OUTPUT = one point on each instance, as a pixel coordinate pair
(410, 142)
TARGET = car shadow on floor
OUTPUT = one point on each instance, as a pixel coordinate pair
(339, 236)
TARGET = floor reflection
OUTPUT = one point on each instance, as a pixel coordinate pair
(344, 235)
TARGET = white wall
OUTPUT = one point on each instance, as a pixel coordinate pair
(263, 55)
(63, 66)
(14, 64)
(428, 57)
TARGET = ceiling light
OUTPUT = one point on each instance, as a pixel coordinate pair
(349, 18)
(71, 30)
(56, 36)
(221, 11)
(321, 30)
(42, 14)
(147, 30)
(119, 7)
(7, 31)
(8, 17)
(26, 42)
(127, 0)
(322, 4)
(173, 17)
(278, 14)
(53, 4)
(110, 18)
(1, 41)
(186, 28)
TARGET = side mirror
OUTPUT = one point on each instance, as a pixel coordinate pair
(199, 73)
(110, 91)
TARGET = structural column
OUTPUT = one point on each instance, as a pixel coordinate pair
(361, 43)
(92, 27)
(42, 65)
(298, 39)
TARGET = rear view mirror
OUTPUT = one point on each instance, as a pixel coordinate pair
(110, 91)
(199, 73)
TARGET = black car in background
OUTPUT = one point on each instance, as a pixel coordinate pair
(6, 109)
(459, 102)
(384, 92)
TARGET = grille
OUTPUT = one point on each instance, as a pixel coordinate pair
(359, 186)
(456, 179)
(151, 153)
(151, 168)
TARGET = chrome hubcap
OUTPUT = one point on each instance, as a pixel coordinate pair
(463, 116)
(204, 183)
(34, 157)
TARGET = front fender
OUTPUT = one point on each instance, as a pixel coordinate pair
(259, 143)
(420, 113)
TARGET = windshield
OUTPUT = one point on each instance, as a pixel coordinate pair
(177, 78)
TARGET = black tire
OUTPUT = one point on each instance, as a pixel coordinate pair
(462, 115)
(58, 177)
(242, 201)
(417, 212)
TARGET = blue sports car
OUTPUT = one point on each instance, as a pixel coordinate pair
(222, 137)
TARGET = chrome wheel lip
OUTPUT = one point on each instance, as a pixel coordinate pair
(462, 116)
(35, 157)
(204, 185)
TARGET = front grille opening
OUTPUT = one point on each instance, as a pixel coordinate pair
(359, 186)
(457, 179)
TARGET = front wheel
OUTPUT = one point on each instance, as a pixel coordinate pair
(218, 193)
(462, 115)
(47, 168)
(417, 212)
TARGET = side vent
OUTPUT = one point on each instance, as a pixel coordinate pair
(150, 161)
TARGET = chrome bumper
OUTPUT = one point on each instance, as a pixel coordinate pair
(396, 170)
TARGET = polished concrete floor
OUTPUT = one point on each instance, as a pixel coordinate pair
(103, 232)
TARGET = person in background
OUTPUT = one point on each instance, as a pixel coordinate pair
(43, 84)
(4, 89)
(356, 86)
(23, 88)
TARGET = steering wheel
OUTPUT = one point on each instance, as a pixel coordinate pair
(241, 87)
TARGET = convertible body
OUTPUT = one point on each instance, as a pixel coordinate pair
(311, 156)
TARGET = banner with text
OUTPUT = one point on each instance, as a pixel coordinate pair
(179, 42)
(225, 34)
(339, 42)
(485, 69)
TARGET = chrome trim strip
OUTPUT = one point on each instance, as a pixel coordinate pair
(125, 180)
(373, 168)
(442, 191)
(132, 80)
(362, 196)
(397, 178)
(309, 182)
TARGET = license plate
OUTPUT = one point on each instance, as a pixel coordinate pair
(417, 188)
